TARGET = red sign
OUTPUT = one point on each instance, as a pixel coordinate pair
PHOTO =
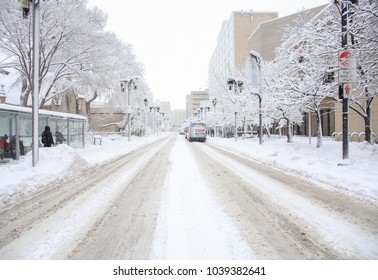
(346, 60)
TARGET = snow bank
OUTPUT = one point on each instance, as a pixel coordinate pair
(19, 179)
(320, 164)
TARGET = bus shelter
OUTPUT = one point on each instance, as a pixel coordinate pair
(16, 129)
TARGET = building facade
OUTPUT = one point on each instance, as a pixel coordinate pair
(193, 102)
(269, 34)
(232, 49)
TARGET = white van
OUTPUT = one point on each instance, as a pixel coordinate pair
(196, 131)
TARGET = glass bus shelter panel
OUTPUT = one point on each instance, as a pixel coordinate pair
(26, 132)
(11, 119)
(6, 126)
(76, 135)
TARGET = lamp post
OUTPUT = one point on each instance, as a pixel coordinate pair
(215, 120)
(24, 5)
(155, 109)
(127, 85)
(237, 86)
(145, 110)
(256, 56)
(206, 109)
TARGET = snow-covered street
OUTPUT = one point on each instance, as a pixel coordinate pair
(166, 198)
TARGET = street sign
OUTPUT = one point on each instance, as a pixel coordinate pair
(347, 90)
(346, 60)
(347, 67)
(347, 76)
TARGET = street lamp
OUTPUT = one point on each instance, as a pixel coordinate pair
(155, 109)
(24, 5)
(145, 110)
(127, 85)
(215, 120)
(257, 57)
(204, 109)
(236, 85)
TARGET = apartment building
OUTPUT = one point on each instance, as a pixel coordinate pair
(232, 48)
(269, 34)
(193, 102)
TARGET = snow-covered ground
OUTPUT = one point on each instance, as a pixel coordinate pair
(191, 223)
(20, 180)
(321, 164)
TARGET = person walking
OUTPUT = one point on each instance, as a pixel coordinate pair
(47, 138)
(59, 138)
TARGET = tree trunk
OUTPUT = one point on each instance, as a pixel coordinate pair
(245, 127)
(88, 107)
(319, 133)
(25, 92)
(368, 136)
(289, 131)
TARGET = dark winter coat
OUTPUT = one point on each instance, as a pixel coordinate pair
(47, 138)
(59, 137)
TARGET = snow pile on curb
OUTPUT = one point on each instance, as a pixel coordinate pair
(320, 164)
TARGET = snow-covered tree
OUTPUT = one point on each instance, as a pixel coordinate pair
(363, 31)
(309, 55)
(282, 103)
(75, 51)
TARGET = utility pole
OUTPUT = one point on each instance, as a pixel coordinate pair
(344, 44)
(257, 57)
(24, 5)
(347, 73)
(35, 97)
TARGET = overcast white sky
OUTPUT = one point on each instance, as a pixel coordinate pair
(175, 39)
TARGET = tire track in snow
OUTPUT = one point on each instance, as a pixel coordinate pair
(53, 235)
(191, 223)
(305, 210)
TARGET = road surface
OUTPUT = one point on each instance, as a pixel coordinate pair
(114, 211)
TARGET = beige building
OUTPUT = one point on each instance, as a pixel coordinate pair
(3, 96)
(232, 48)
(101, 120)
(268, 36)
(193, 102)
(68, 102)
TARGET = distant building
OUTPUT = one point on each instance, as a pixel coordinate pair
(165, 107)
(193, 102)
(177, 118)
